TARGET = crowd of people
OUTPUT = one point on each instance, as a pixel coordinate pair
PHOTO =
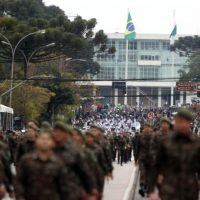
(169, 159)
(55, 163)
(73, 161)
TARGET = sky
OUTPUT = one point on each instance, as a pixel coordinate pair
(149, 16)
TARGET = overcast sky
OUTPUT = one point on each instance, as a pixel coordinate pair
(149, 16)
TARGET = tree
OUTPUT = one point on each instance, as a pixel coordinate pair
(29, 101)
(75, 39)
(190, 47)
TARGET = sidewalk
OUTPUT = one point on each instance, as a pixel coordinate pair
(118, 188)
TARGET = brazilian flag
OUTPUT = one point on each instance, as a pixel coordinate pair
(130, 33)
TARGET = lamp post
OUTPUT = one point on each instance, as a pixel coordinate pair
(70, 60)
(21, 83)
(27, 60)
(13, 49)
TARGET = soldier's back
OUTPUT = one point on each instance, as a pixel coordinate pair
(179, 163)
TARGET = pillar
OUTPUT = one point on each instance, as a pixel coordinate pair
(115, 97)
(172, 95)
(181, 98)
(159, 97)
(137, 95)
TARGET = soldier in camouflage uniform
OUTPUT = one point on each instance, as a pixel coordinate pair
(104, 144)
(42, 175)
(28, 144)
(6, 177)
(121, 145)
(75, 161)
(102, 167)
(165, 130)
(178, 161)
(92, 159)
(144, 157)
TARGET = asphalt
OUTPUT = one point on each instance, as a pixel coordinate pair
(118, 188)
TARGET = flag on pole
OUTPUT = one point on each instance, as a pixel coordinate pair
(173, 35)
(130, 33)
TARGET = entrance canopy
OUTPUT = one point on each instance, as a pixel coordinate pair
(5, 109)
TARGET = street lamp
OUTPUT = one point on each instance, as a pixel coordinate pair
(21, 83)
(13, 49)
(27, 60)
(70, 60)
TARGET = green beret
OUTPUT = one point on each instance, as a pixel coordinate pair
(46, 127)
(186, 114)
(97, 127)
(147, 124)
(63, 127)
(165, 119)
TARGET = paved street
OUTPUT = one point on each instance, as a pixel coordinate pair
(116, 189)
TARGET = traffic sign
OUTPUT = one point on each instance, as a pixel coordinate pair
(151, 115)
(185, 86)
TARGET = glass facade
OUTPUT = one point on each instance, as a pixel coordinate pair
(148, 58)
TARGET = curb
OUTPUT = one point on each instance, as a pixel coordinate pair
(131, 189)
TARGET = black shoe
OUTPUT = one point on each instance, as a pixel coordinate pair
(142, 192)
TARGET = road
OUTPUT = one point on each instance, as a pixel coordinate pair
(117, 188)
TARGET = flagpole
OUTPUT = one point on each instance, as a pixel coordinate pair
(173, 62)
(126, 74)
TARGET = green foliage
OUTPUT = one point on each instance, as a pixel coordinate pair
(73, 39)
(190, 47)
(192, 70)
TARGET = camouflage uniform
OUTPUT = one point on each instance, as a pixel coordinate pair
(103, 167)
(178, 161)
(76, 163)
(24, 148)
(121, 149)
(41, 180)
(95, 168)
(6, 177)
(105, 146)
(144, 157)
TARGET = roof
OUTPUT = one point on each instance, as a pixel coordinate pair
(143, 36)
(5, 109)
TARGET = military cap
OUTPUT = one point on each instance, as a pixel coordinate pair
(97, 127)
(62, 126)
(165, 119)
(46, 127)
(33, 125)
(186, 114)
(147, 124)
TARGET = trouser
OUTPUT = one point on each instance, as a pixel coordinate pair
(114, 153)
(144, 173)
(121, 156)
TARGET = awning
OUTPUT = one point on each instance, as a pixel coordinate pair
(5, 109)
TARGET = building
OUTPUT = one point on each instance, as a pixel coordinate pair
(149, 58)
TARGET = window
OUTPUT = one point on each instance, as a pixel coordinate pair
(166, 45)
(132, 58)
(121, 58)
(106, 73)
(149, 72)
(132, 45)
(122, 44)
(149, 57)
(150, 45)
